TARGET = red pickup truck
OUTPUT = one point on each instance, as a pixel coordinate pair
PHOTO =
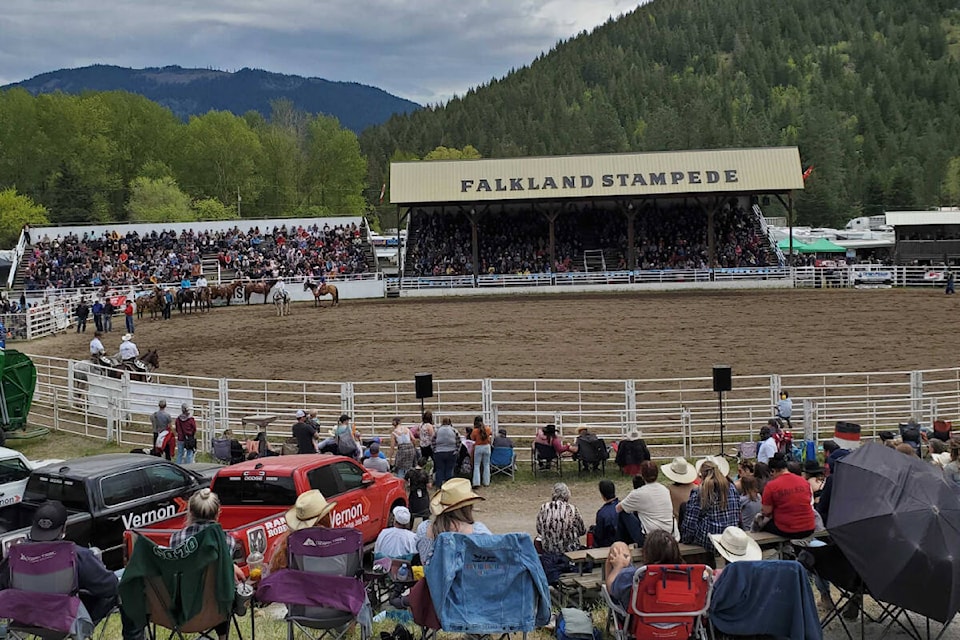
(255, 495)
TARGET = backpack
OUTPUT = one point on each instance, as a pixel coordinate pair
(580, 624)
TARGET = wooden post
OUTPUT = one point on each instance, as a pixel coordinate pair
(631, 215)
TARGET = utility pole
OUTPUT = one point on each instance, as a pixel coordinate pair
(238, 201)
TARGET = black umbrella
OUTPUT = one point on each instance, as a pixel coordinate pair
(897, 520)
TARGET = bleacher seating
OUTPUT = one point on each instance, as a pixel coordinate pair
(112, 259)
(671, 236)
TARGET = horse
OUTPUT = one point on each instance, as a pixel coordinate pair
(141, 367)
(152, 303)
(281, 299)
(262, 287)
(320, 290)
(186, 298)
(203, 298)
(225, 291)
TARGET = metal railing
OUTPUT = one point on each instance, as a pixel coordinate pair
(676, 416)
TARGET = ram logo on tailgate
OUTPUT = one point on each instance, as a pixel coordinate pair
(136, 520)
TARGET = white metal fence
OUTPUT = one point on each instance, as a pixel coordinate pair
(676, 416)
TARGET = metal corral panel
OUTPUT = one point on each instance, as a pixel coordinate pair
(920, 218)
(619, 175)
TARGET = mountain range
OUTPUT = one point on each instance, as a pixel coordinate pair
(189, 92)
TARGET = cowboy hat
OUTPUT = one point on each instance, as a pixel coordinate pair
(812, 467)
(454, 494)
(127, 337)
(718, 461)
(680, 471)
(633, 435)
(309, 509)
(735, 545)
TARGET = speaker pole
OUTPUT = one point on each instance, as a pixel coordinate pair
(720, 399)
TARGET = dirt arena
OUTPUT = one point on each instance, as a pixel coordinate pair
(654, 335)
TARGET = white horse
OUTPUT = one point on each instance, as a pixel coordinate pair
(281, 300)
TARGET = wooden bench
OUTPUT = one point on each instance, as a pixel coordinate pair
(579, 585)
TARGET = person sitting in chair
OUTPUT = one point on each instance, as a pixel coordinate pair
(396, 541)
(788, 502)
(548, 435)
(586, 440)
(631, 453)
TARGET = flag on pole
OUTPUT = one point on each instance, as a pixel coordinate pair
(806, 174)
(383, 192)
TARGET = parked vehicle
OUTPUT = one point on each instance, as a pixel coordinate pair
(255, 495)
(14, 471)
(105, 495)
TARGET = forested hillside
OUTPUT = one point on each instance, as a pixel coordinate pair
(868, 90)
(110, 156)
(191, 92)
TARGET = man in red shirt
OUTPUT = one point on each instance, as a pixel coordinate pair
(128, 314)
(788, 501)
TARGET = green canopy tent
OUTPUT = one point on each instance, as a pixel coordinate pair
(798, 247)
(822, 245)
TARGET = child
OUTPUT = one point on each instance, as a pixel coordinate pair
(165, 445)
(750, 504)
(418, 497)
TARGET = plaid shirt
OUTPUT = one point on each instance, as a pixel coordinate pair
(698, 524)
(193, 529)
(560, 527)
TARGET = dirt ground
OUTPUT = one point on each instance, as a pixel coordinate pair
(658, 335)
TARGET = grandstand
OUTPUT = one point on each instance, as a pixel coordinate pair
(655, 211)
(130, 254)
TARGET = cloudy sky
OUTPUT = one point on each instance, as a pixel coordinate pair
(424, 50)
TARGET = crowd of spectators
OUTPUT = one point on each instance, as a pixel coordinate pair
(112, 259)
(668, 237)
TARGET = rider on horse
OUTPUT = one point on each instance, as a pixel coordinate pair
(96, 349)
(128, 350)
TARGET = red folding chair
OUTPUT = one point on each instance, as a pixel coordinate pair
(668, 602)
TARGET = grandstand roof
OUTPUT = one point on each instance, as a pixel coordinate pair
(622, 175)
(212, 225)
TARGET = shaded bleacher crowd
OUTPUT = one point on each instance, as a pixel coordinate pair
(672, 237)
(117, 260)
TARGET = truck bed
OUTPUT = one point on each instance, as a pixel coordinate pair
(235, 520)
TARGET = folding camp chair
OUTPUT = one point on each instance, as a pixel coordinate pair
(43, 600)
(743, 601)
(482, 584)
(828, 563)
(592, 453)
(160, 582)
(616, 615)
(668, 602)
(503, 460)
(220, 447)
(545, 458)
(322, 585)
(747, 450)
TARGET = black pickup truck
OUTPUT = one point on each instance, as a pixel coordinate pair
(105, 495)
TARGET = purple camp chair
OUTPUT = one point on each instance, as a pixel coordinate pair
(43, 596)
(322, 585)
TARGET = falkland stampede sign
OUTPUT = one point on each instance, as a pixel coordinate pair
(771, 170)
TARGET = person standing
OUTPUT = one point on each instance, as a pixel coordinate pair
(186, 436)
(83, 312)
(305, 433)
(160, 419)
(108, 310)
(446, 443)
(785, 408)
(482, 437)
(167, 304)
(425, 435)
(128, 316)
(98, 314)
(950, 290)
(402, 449)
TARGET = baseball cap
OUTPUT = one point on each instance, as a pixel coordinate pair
(48, 521)
(401, 515)
(300, 413)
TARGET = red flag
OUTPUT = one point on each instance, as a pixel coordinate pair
(383, 192)
(806, 174)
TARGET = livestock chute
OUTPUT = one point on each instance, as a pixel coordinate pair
(18, 379)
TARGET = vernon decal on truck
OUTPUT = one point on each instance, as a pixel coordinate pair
(134, 520)
(352, 516)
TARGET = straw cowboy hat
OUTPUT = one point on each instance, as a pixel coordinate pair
(680, 471)
(309, 509)
(454, 494)
(735, 545)
(718, 461)
(127, 337)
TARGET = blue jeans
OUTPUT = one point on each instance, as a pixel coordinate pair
(481, 464)
(184, 456)
(129, 324)
(443, 466)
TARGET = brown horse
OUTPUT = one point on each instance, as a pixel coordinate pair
(202, 298)
(320, 290)
(225, 291)
(262, 287)
(141, 367)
